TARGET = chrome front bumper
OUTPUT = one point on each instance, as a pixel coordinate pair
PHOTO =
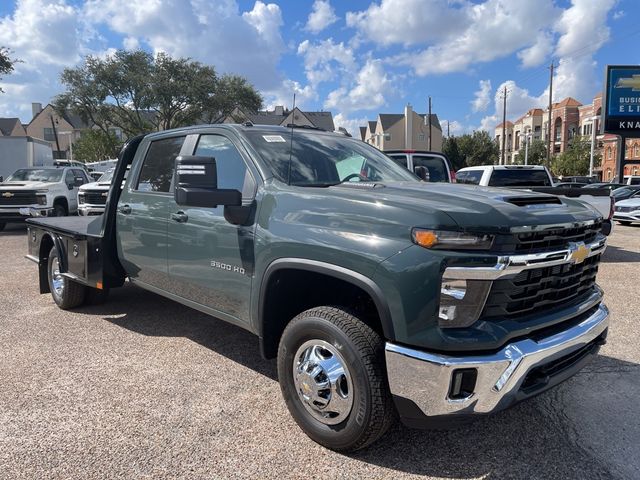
(426, 378)
(91, 209)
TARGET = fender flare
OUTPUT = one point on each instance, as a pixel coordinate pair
(331, 270)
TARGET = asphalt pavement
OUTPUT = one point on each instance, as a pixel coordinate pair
(142, 387)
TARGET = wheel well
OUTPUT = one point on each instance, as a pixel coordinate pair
(292, 291)
(62, 201)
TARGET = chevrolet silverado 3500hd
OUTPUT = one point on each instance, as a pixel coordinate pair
(377, 293)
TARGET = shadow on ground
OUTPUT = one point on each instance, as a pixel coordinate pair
(523, 442)
(14, 230)
(615, 254)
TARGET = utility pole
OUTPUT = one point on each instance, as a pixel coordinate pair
(504, 126)
(448, 122)
(551, 67)
(429, 116)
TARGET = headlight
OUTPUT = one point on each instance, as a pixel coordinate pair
(444, 239)
(461, 301)
(41, 198)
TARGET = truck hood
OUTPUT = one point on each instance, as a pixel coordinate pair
(471, 208)
(27, 185)
(101, 186)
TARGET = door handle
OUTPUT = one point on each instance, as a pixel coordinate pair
(126, 209)
(180, 217)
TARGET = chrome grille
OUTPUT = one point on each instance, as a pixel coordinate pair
(14, 197)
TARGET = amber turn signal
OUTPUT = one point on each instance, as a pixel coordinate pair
(425, 238)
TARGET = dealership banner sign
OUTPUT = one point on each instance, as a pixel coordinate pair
(622, 100)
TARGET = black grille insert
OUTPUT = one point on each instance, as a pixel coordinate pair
(94, 198)
(15, 197)
(540, 289)
(546, 240)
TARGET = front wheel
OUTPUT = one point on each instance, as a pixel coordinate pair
(621, 222)
(65, 292)
(59, 210)
(333, 379)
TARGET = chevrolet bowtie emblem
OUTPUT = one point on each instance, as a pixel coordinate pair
(7, 194)
(578, 252)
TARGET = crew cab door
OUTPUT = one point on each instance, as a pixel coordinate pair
(211, 261)
(142, 214)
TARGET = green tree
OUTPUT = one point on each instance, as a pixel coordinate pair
(138, 92)
(536, 155)
(478, 148)
(6, 63)
(95, 145)
(452, 151)
(575, 159)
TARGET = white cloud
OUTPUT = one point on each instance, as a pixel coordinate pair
(283, 95)
(482, 97)
(325, 59)
(47, 36)
(367, 92)
(519, 101)
(352, 125)
(217, 33)
(408, 22)
(537, 53)
(583, 28)
(322, 15)
(617, 15)
(494, 29)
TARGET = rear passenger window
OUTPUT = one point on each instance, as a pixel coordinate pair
(400, 160)
(157, 169)
(230, 167)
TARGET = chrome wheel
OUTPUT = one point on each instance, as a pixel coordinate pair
(323, 381)
(57, 280)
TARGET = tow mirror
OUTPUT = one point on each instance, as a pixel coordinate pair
(197, 184)
(422, 173)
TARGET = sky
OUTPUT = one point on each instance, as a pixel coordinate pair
(353, 58)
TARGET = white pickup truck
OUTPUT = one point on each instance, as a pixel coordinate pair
(40, 192)
(537, 178)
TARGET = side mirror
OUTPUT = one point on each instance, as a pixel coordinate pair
(197, 184)
(79, 181)
(71, 186)
(422, 172)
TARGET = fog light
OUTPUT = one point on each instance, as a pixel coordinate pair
(461, 301)
(463, 383)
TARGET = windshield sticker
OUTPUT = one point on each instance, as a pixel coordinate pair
(274, 139)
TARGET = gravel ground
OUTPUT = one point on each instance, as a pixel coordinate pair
(142, 387)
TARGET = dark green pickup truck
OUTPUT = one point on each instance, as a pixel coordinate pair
(378, 294)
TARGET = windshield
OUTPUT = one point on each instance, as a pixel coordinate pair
(619, 192)
(108, 175)
(320, 160)
(36, 175)
(519, 178)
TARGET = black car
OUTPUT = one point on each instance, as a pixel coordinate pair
(625, 192)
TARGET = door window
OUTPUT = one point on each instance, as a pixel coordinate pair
(157, 169)
(400, 160)
(68, 178)
(230, 166)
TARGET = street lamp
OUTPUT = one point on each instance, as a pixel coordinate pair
(70, 142)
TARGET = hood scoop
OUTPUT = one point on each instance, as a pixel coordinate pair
(534, 200)
(361, 185)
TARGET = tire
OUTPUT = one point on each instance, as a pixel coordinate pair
(2, 225)
(314, 339)
(624, 222)
(59, 210)
(65, 292)
(94, 296)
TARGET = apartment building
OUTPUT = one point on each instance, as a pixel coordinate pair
(404, 131)
(282, 116)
